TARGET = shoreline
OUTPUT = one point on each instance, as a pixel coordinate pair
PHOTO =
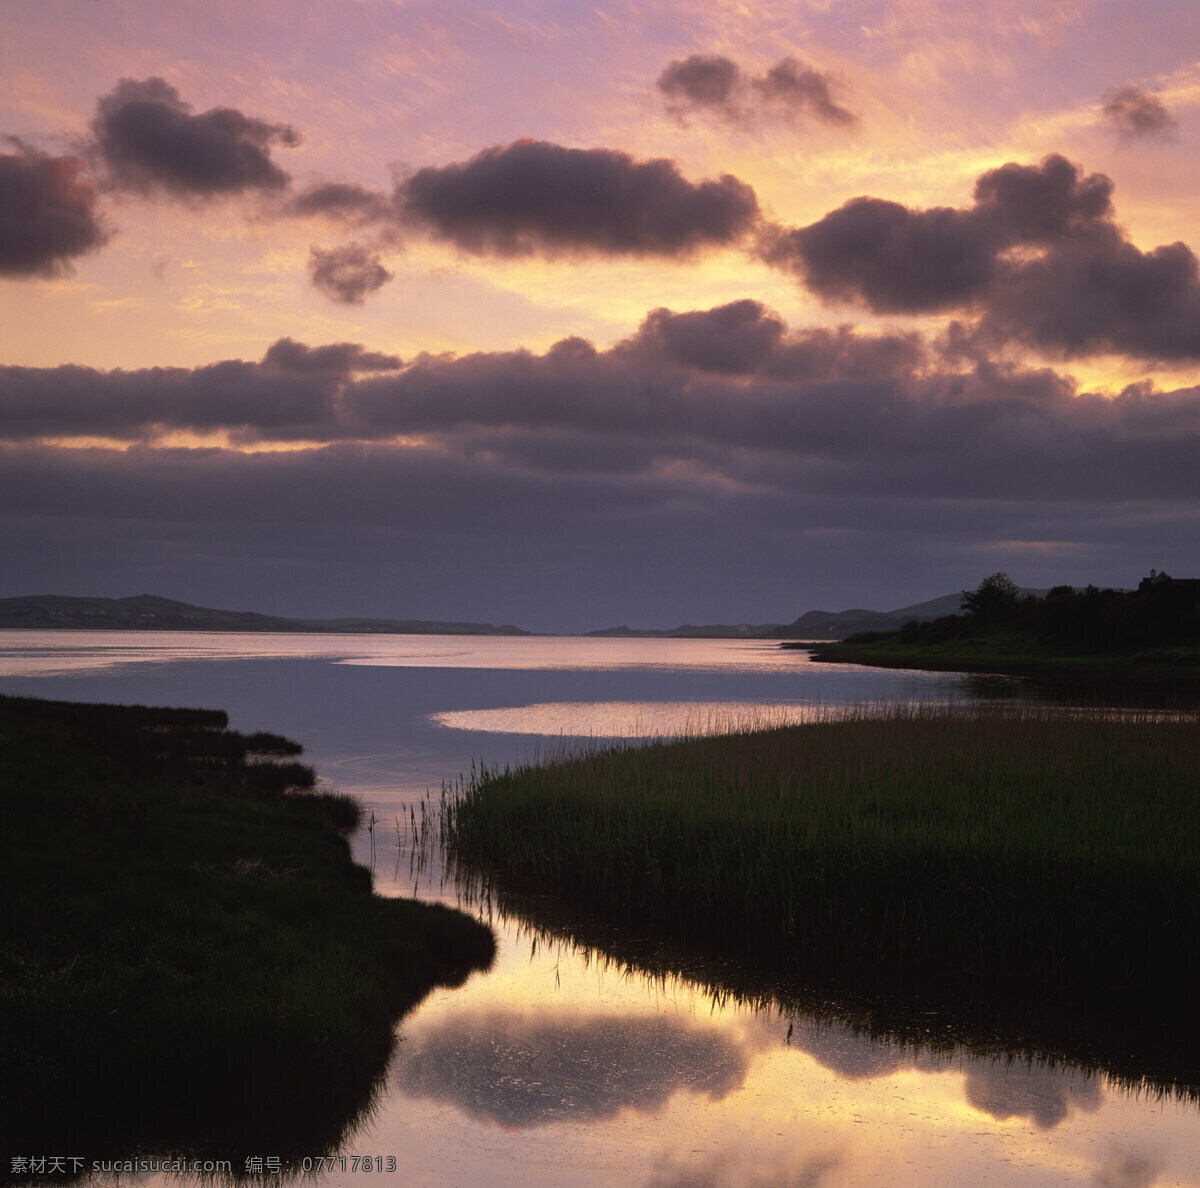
(1106, 673)
(190, 958)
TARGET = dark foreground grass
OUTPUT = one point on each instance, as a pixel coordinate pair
(189, 959)
(1011, 869)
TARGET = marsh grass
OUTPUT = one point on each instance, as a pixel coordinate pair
(1037, 862)
(189, 958)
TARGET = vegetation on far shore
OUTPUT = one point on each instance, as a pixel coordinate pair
(190, 961)
(1030, 874)
(1146, 636)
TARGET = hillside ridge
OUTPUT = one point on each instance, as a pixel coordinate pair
(150, 612)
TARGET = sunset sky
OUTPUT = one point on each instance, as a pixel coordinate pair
(573, 315)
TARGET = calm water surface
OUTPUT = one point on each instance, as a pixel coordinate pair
(557, 1067)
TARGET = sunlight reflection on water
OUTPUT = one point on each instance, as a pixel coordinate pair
(48, 653)
(641, 719)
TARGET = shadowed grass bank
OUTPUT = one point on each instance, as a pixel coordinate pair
(1033, 876)
(189, 959)
(1146, 670)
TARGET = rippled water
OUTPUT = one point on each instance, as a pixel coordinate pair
(559, 1067)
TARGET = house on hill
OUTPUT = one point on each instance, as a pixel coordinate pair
(1160, 582)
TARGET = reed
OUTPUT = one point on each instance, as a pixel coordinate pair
(931, 850)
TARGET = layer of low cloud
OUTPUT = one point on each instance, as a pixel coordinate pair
(745, 338)
(148, 139)
(337, 360)
(291, 393)
(728, 396)
(47, 213)
(561, 530)
(1137, 114)
(716, 85)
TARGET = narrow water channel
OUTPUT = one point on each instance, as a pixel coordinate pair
(566, 1066)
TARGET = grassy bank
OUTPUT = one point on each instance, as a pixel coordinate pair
(1006, 866)
(1018, 655)
(189, 959)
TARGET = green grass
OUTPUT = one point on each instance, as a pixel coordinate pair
(189, 958)
(1006, 651)
(1015, 861)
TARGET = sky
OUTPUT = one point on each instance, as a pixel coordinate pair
(575, 315)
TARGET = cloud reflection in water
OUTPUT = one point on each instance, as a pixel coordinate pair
(1043, 1095)
(523, 1072)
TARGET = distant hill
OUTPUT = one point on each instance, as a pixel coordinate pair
(690, 631)
(146, 612)
(839, 624)
(810, 625)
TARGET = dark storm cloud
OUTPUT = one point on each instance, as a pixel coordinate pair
(523, 1073)
(709, 82)
(534, 196)
(348, 273)
(1136, 113)
(1038, 258)
(47, 213)
(148, 138)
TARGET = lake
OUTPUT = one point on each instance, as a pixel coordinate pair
(560, 1066)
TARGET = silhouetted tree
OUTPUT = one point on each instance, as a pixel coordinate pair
(996, 600)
